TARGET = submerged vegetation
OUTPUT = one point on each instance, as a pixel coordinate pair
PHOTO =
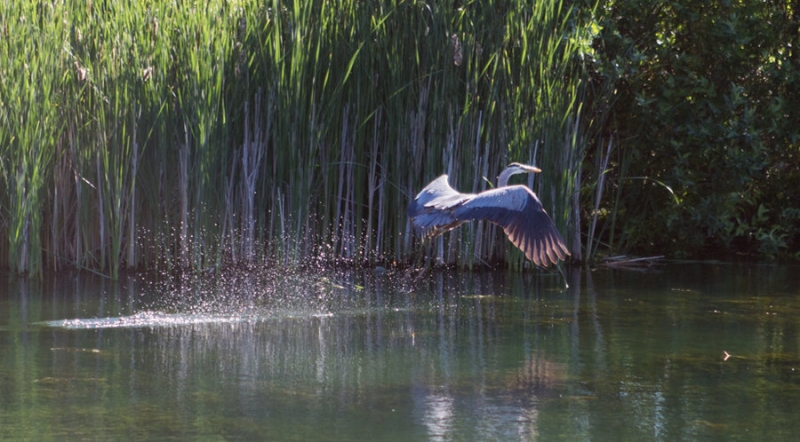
(199, 133)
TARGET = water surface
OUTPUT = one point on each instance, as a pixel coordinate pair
(685, 351)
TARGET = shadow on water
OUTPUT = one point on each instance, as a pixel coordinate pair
(681, 352)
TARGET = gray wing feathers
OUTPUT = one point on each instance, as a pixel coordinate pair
(437, 195)
(438, 207)
(527, 225)
(431, 211)
(539, 239)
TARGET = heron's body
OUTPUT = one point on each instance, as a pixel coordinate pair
(439, 207)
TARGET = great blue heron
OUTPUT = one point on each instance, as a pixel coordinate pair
(439, 208)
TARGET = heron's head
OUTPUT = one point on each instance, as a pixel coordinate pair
(513, 169)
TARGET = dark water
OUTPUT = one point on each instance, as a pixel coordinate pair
(682, 352)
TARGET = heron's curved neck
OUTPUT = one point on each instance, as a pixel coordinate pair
(502, 180)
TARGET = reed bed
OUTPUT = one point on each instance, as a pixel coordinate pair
(198, 134)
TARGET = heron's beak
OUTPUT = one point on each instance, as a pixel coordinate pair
(530, 169)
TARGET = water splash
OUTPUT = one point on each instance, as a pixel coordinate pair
(152, 319)
(242, 297)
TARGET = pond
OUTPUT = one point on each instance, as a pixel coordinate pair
(686, 351)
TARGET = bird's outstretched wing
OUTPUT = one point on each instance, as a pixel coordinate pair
(431, 211)
(439, 207)
(521, 215)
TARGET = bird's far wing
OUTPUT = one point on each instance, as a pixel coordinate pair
(520, 213)
(431, 211)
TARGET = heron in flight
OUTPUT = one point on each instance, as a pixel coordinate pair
(439, 208)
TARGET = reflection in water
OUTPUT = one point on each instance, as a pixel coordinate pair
(479, 356)
(438, 415)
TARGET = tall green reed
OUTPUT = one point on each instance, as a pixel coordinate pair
(117, 56)
(202, 46)
(206, 132)
(28, 103)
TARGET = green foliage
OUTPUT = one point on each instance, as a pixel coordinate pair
(28, 105)
(195, 133)
(163, 134)
(702, 101)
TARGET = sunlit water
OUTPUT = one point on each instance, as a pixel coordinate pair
(681, 352)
